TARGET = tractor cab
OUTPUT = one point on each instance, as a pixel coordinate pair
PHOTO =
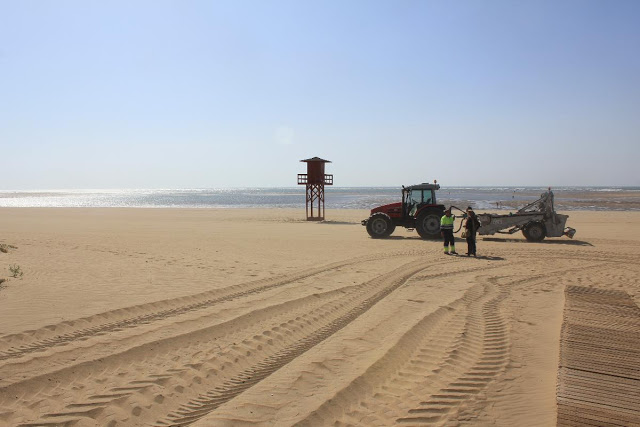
(415, 197)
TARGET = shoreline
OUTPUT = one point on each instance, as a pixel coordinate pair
(336, 199)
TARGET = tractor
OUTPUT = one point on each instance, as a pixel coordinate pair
(418, 210)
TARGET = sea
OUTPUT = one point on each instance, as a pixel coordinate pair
(481, 198)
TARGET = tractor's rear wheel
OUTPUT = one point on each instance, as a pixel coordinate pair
(428, 224)
(534, 232)
(380, 226)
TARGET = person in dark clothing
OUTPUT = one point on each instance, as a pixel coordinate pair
(471, 226)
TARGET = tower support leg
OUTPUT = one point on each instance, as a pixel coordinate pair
(315, 192)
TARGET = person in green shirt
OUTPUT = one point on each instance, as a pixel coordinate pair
(446, 231)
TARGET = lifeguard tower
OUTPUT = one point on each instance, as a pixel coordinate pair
(315, 179)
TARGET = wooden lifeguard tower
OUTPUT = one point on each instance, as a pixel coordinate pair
(315, 179)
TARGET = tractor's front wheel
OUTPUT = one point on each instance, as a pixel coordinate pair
(428, 224)
(380, 225)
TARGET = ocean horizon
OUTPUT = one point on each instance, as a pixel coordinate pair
(480, 197)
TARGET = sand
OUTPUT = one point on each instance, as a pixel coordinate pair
(256, 317)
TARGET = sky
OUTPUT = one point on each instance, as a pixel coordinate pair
(209, 94)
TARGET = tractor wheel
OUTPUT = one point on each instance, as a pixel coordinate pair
(428, 224)
(534, 232)
(380, 225)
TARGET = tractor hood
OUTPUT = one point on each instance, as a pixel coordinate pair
(388, 209)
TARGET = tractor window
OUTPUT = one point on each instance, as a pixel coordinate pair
(415, 197)
(428, 197)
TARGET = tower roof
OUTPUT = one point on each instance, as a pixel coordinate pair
(316, 159)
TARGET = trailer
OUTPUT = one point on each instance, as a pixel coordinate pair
(537, 220)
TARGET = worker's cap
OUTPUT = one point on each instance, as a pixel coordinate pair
(469, 208)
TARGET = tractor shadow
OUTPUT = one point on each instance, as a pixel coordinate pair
(544, 242)
(329, 222)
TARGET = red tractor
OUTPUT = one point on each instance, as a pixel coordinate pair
(418, 210)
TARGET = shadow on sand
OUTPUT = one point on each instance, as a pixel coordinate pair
(490, 258)
(544, 242)
(483, 257)
(329, 222)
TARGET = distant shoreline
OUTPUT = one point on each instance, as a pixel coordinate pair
(482, 198)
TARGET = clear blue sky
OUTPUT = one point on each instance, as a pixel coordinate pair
(199, 94)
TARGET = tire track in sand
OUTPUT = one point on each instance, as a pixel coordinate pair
(488, 351)
(438, 367)
(266, 355)
(441, 346)
(185, 361)
(206, 402)
(188, 375)
(17, 345)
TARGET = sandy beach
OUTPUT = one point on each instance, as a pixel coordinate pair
(232, 317)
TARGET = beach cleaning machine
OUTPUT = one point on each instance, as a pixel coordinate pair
(537, 220)
(419, 210)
